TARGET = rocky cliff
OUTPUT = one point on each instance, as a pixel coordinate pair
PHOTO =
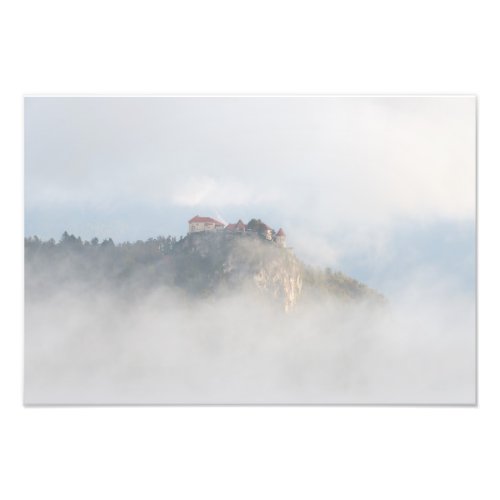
(208, 261)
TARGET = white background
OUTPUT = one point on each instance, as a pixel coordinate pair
(254, 47)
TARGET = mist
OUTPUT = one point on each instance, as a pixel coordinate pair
(87, 346)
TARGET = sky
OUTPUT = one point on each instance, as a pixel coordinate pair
(381, 188)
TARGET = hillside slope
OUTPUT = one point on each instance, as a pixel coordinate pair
(199, 265)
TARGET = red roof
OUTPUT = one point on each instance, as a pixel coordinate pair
(280, 232)
(239, 226)
(197, 218)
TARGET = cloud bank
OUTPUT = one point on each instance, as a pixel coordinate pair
(98, 348)
(359, 158)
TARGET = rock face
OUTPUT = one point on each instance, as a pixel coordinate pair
(273, 270)
(205, 262)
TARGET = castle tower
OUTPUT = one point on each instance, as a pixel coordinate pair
(281, 238)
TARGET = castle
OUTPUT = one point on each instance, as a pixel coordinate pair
(255, 227)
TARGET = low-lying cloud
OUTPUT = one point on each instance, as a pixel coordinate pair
(88, 347)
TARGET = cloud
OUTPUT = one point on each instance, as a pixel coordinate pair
(206, 191)
(97, 348)
(351, 159)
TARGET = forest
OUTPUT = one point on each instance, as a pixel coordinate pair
(198, 265)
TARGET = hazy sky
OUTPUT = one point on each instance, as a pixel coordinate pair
(379, 187)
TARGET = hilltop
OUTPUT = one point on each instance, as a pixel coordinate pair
(198, 265)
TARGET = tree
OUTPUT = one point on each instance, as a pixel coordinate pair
(70, 240)
(108, 243)
(254, 224)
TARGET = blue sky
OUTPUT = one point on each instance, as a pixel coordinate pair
(381, 188)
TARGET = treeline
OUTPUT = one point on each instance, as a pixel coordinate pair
(336, 284)
(192, 264)
(72, 261)
(162, 244)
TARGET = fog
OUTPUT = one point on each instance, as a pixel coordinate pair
(88, 346)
